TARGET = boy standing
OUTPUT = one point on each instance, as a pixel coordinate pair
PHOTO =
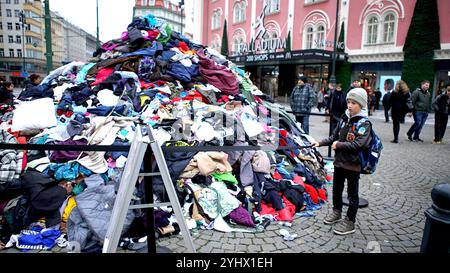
(348, 140)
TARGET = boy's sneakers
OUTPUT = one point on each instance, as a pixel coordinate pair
(344, 227)
(334, 217)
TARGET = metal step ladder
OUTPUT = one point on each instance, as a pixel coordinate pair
(127, 185)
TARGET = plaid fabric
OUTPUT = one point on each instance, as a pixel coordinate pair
(302, 98)
(10, 160)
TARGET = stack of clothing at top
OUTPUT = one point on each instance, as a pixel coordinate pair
(191, 96)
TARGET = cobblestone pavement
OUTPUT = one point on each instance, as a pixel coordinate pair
(398, 194)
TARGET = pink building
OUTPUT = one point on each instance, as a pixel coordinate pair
(375, 35)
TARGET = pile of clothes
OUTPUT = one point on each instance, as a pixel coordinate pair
(191, 96)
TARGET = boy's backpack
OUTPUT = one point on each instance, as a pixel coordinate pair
(369, 157)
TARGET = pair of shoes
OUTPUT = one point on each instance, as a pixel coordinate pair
(173, 229)
(418, 140)
(437, 142)
(344, 227)
(409, 137)
(334, 217)
(394, 141)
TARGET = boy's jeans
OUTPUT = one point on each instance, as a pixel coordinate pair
(340, 175)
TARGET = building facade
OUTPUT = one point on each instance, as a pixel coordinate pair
(22, 44)
(165, 9)
(21, 47)
(75, 40)
(258, 32)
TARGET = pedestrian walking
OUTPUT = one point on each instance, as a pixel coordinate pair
(377, 99)
(337, 106)
(440, 107)
(421, 102)
(320, 99)
(388, 87)
(401, 104)
(348, 141)
(302, 101)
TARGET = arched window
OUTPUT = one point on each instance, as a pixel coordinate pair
(320, 36)
(372, 30)
(388, 28)
(274, 6)
(216, 20)
(238, 42)
(309, 37)
(239, 12)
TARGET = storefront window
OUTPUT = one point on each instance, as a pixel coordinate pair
(269, 83)
(317, 74)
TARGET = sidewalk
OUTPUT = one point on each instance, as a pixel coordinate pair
(377, 115)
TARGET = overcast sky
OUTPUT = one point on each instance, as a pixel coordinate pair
(115, 15)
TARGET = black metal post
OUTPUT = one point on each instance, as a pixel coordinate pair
(333, 68)
(330, 131)
(22, 19)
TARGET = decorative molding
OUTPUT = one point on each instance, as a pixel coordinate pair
(320, 13)
(381, 7)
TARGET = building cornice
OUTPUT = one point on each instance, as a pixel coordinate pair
(376, 57)
(443, 54)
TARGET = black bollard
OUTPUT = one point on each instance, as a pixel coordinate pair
(436, 235)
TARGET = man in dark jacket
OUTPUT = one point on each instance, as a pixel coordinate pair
(440, 107)
(337, 104)
(421, 102)
(388, 86)
(302, 100)
(377, 98)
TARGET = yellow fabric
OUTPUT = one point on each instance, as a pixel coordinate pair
(70, 205)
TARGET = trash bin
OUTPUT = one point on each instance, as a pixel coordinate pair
(436, 235)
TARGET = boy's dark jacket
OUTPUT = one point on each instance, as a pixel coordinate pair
(347, 152)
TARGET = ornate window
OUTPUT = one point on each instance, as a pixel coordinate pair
(239, 39)
(239, 12)
(372, 30)
(309, 37)
(273, 6)
(216, 19)
(379, 18)
(388, 28)
(216, 43)
(320, 33)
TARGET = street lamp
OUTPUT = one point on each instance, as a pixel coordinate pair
(98, 32)
(181, 5)
(333, 68)
(22, 20)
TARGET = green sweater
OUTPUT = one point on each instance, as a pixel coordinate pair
(421, 100)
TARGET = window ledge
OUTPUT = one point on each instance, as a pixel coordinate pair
(313, 3)
(240, 22)
(379, 44)
(274, 13)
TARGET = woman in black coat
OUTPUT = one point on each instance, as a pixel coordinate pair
(401, 104)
